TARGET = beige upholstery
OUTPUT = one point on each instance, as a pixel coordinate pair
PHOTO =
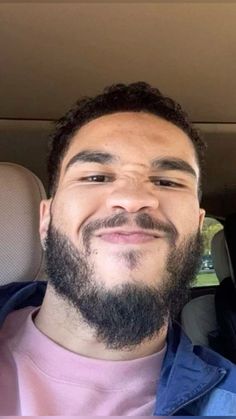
(21, 255)
(198, 316)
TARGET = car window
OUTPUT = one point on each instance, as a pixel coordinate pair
(207, 275)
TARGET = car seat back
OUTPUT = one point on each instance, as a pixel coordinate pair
(21, 254)
(224, 339)
(198, 316)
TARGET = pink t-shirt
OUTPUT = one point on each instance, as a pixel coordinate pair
(39, 377)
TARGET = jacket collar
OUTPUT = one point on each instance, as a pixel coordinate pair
(19, 295)
(184, 376)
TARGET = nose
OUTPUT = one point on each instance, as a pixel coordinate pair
(132, 198)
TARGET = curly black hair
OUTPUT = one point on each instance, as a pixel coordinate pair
(135, 97)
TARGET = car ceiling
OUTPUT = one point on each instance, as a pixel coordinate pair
(53, 53)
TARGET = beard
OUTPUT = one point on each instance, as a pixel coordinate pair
(128, 314)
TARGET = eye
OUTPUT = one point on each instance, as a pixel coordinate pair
(166, 183)
(97, 179)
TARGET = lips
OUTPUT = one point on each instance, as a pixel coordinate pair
(127, 237)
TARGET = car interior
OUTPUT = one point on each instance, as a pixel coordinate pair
(54, 53)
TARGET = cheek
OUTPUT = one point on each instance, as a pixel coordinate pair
(184, 214)
(72, 209)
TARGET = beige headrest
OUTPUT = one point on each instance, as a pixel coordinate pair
(21, 255)
(220, 256)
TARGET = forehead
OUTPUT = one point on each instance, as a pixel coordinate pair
(135, 137)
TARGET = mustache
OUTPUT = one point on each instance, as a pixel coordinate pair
(144, 221)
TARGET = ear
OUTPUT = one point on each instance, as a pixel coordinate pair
(45, 217)
(202, 214)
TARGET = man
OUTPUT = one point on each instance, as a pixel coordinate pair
(122, 238)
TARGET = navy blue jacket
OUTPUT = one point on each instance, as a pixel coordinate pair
(195, 381)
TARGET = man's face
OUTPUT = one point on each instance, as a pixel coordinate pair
(127, 201)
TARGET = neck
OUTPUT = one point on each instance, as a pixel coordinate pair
(65, 326)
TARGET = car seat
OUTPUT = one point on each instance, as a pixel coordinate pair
(198, 316)
(224, 339)
(21, 254)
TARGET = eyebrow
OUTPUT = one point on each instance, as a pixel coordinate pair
(87, 156)
(164, 163)
(171, 163)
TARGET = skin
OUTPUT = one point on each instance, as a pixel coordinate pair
(131, 186)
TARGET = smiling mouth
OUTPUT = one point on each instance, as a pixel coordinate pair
(127, 237)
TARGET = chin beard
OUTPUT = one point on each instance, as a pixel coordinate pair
(127, 315)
